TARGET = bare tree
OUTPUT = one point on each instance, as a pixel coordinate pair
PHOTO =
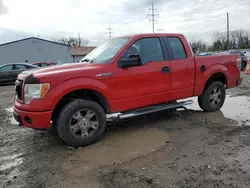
(238, 39)
(233, 40)
(220, 41)
(198, 46)
(74, 41)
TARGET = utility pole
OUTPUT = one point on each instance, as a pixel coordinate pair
(110, 32)
(227, 31)
(152, 16)
(79, 40)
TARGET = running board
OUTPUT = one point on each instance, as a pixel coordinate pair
(147, 110)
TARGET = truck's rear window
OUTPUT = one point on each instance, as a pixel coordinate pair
(177, 48)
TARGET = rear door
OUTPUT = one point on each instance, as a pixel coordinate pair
(147, 84)
(183, 68)
(5, 73)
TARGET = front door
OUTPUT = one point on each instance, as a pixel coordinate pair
(144, 85)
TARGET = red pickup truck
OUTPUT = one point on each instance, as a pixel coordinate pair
(122, 78)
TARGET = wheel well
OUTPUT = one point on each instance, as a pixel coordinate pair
(217, 77)
(81, 94)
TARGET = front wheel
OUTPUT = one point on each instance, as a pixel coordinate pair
(213, 97)
(81, 122)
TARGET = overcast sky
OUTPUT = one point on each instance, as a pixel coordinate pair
(51, 19)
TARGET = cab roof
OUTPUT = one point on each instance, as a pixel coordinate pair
(151, 35)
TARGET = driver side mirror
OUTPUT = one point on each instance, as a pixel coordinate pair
(132, 60)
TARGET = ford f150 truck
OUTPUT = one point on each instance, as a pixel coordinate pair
(122, 78)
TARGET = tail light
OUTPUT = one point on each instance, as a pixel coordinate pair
(238, 63)
(247, 70)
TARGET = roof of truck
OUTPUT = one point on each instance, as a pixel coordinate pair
(152, 35)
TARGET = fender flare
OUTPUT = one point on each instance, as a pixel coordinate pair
(75, 84)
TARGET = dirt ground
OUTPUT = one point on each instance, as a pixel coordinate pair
(184, 149)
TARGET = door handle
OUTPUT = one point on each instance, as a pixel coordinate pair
(165, 69)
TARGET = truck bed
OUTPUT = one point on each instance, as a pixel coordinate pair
(224, 64)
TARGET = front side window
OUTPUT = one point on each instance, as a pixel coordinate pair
(149, 50)
(177, 48)
(106, 52)
(6, 68)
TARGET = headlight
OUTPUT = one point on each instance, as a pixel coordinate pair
(35, 91)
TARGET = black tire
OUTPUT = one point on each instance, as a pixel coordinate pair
(243, 66)
(65, 117)
(199, 102)
(206, 103)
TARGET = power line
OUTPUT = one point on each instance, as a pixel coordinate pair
(216, 6)
(192, 19)
(196, 19)
(217, 9)
(153, 16)
(110, 32)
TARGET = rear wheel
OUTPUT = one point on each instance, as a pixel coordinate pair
(243, 66)
(81, 123)
(213, 97)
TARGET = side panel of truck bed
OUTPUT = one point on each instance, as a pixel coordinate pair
(207, 66)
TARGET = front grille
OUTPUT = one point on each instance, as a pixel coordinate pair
(18, 88)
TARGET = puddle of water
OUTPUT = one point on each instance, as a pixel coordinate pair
(13, 163)
(119, 146)
(235, 108)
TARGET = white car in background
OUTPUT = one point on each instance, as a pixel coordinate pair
(246, 53)
(205, 53)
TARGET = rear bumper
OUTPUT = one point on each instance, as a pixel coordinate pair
(234, 82)
(37, 120)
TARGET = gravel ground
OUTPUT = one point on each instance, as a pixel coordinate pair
(187, 148)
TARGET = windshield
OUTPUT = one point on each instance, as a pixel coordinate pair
(105, 52)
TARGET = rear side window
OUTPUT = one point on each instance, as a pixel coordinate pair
(20, 67)
(177, 48)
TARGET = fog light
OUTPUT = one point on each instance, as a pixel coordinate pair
(27, 119)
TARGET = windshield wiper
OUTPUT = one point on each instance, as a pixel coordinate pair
(87, 60)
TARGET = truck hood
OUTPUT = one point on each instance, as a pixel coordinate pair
(60, 69)
(58, 73)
